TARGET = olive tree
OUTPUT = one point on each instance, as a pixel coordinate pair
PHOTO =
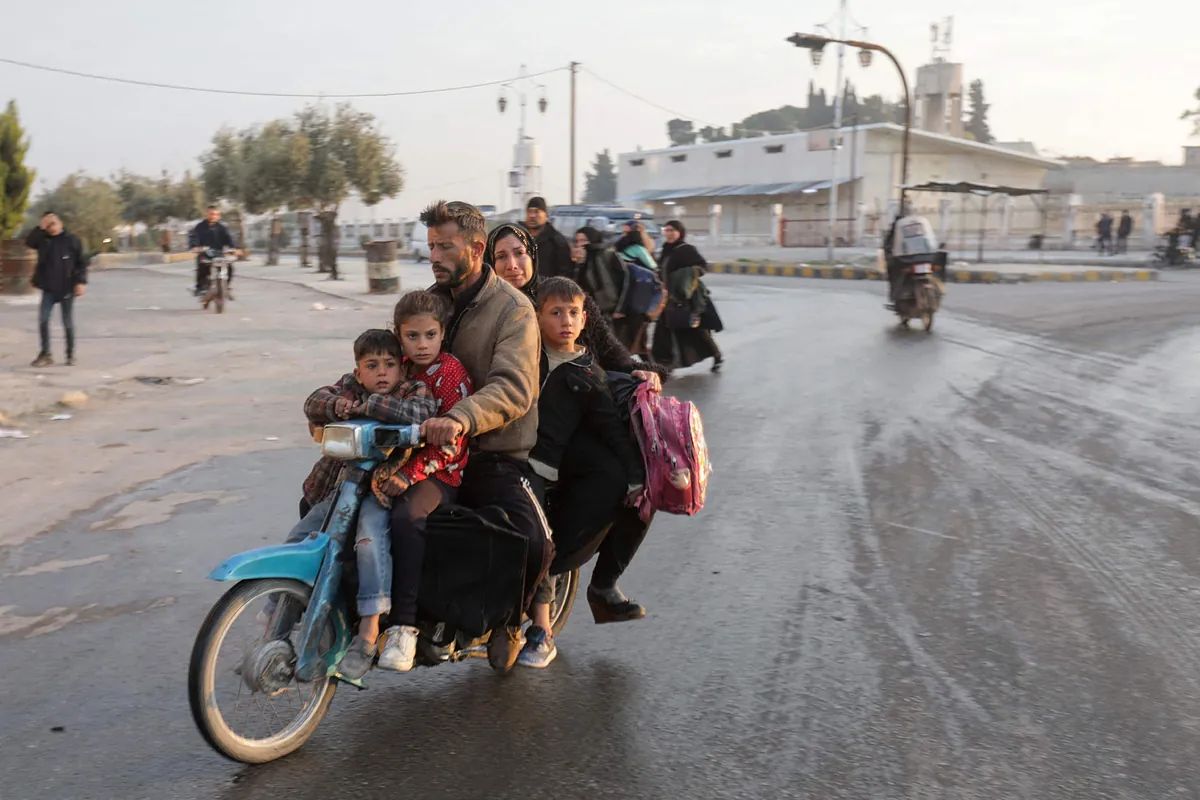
(343, 152)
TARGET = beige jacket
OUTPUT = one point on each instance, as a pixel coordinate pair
(497, 340)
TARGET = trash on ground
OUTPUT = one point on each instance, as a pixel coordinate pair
(272, 438)
(60, 417)
(12, 433)
(73, 399)
(155, 380)
(319, 307)
(143, 308)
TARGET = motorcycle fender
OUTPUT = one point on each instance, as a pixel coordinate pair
(300, 561)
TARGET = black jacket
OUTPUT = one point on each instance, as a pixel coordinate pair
(576, 396)
(554, 253)
(1126, 227)
(210, 235)
(600, 341)
(61, 265)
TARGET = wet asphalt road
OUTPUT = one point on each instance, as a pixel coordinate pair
(963, 565)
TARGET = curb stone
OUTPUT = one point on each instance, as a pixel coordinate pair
(953, 275)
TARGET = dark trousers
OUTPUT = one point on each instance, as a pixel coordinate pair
(1122, 244)
(409, 512)
(67, 303)
(630, 331)
(588, 515)
(204, 269)
(496, 480)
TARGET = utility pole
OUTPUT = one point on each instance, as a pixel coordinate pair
(837, 132)
(574, 70)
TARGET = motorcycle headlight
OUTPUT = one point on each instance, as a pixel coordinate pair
(343, 442)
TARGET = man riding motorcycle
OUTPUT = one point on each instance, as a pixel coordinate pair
(211, 234)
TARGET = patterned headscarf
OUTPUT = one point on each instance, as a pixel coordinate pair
(511, 229)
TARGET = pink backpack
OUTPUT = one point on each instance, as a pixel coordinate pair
(671, 437)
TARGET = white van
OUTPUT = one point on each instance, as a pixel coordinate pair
(418, 242)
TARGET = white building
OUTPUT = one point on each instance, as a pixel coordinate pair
(760, 181)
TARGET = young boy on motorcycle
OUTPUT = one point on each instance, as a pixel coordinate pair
(574, 396)
(405, 492)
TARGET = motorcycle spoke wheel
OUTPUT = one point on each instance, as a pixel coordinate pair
(244, 695)
(565, 585)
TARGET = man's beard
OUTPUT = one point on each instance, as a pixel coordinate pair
(458, 275)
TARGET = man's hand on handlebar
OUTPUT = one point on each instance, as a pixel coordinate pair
(440, 431)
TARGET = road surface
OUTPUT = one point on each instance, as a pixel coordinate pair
(958, 565)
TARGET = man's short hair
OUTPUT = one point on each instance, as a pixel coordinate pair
(558, 288)
(213, 207)
(376, 342)
(48, 213)
(467, 217)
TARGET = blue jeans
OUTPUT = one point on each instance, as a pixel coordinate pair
(372, 547)
(67, 301)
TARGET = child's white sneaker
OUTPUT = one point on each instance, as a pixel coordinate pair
(400, 649)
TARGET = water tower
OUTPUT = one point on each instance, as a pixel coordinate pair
(939, 91)
(525, 177)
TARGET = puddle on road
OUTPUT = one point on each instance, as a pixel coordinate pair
(140, 513)
(57, 565)
(55, 619)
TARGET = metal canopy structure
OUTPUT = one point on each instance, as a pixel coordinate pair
(984, 191)
(739, 190)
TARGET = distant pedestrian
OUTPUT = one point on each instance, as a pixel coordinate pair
(61, 274)
(683, 334)
(554, 252)
(1104, 230)
(1123, 231)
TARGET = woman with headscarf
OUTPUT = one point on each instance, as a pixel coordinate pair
(614, 532)
(512, 252)
(683, 335)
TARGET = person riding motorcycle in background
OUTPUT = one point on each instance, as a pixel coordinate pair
(211, 234)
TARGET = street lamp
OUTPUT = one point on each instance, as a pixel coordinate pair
(519, 86)
(815, 43)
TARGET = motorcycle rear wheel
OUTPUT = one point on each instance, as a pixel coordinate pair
(202, 677)
(566, 586)
(220, 296)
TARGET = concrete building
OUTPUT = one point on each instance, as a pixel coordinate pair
(749, 190)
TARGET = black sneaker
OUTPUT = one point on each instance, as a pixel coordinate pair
(43, 360)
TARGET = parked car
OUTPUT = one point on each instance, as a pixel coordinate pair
(418, 242)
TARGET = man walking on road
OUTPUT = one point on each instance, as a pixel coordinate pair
(61, 274)
(554, 253)
(211, 233)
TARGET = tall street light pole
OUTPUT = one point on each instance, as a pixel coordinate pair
(574, 70)
(816, 44)
(519, 86)
(837, 129)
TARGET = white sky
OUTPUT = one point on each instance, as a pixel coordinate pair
(1101, 78)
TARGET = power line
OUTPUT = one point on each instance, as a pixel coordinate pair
(648, 102)
(242, 93)
(636, 96)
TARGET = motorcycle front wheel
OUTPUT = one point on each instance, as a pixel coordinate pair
(246, 701)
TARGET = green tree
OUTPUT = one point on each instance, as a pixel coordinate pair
(338, 153)
(680, 132)
(274, 158)
(977, 110)
(222, 172)
(1194, 115)
(90, 208)
(15, 178)
(601, 184)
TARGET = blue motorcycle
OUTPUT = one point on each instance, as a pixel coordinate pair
(290, 615)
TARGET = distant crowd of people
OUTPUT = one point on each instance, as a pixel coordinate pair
(613, 275)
